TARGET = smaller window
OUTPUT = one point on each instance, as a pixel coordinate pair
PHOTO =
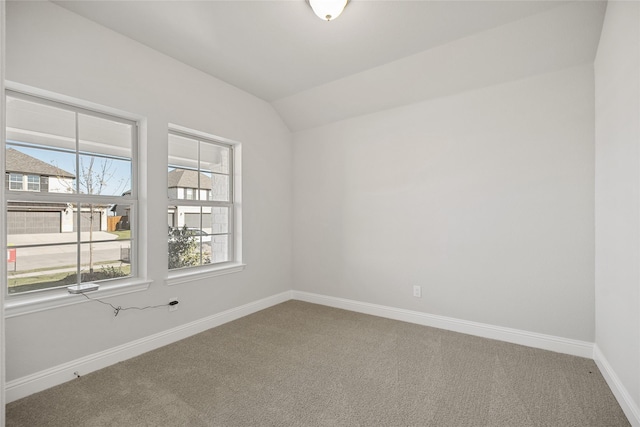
(33, 183)
(201, 223)
(15, 181)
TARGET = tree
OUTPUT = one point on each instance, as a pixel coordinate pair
(93, 177)
(183, 248)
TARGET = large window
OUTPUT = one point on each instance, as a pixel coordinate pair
(71, 173)
(201, 201)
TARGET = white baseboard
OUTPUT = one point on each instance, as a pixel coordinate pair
(516, 336)
(43, 380)
(625, 400)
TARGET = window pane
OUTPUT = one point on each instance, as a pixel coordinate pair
(119, 220)
(214, 158)
(54, 169)
(103, 136)
(220, 188)
(220, 248)
(104, 176)
(217, 221)
(183, 164)
(104, 260)
(93, 220)
(105, 156)
(186, 238)
(106, 248)
(183, 152)
(183, 155)
(214, 165)
(39, 268)
(33, 123)
(204, 190)
(204, 246)
(183, 183)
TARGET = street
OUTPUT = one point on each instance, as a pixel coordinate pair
(105, 248)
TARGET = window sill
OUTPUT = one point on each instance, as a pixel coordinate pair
(18, 305)
(179, 277)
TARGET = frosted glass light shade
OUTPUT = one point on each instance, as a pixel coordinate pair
(328, 10)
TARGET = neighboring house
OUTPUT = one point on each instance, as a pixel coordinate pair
(123, 211)
(26, 173)
(183, 184)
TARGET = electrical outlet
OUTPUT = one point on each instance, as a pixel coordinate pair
(417, 291)
(173, 307)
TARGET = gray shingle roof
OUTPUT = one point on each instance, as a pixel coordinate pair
(188, 179)
(19, 162)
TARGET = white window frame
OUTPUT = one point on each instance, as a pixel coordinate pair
(235, 264)
(32, 302)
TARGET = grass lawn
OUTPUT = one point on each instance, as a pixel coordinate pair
(122, 234)
(54, 280)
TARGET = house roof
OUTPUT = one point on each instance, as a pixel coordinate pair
(185, 178)
(17, 161)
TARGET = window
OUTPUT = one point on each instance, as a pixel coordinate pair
(33, 183)
(68, 169)
(201, 209)
(19, 182)
(15, 181)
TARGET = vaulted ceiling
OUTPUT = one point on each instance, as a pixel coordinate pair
(376, 55)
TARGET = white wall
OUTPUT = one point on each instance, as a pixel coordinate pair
(617, 191)
(485, 199)
(52, 49)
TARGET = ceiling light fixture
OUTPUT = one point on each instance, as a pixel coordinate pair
(327, 10)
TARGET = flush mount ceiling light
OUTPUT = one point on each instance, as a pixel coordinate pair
(327, 10)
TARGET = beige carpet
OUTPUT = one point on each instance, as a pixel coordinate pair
(300, 364)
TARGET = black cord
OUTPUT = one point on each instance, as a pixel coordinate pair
(118, 309)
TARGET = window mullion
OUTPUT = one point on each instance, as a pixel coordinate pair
(78, 206)
(196, 203)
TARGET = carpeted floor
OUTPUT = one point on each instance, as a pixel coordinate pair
(300, 364)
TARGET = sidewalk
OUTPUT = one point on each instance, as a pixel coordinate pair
(11, 275)
(53, 238)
